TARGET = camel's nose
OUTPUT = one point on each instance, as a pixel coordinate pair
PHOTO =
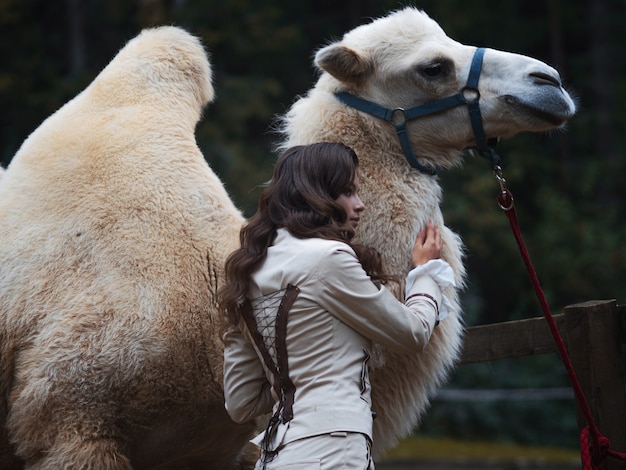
(542, 78)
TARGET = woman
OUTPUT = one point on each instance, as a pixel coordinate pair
(303, 306)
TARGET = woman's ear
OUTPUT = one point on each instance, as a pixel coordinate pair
(343, 63)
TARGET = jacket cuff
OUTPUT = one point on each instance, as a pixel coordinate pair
(443, 276)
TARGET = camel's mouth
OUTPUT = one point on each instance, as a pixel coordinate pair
(550, 111)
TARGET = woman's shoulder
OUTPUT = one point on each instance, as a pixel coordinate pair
(285, 238)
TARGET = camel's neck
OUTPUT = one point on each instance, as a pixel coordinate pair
(320, 116)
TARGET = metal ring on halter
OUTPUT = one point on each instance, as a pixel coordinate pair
(471, 95)
(398, 117)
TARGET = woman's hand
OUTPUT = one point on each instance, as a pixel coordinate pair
(427, 245)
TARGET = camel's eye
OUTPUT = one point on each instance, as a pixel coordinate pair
(432, 70)
(436, 69)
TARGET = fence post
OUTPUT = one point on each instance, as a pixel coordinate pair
(595, 337)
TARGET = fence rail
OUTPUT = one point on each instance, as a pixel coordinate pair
(594, 334)
(504, 394)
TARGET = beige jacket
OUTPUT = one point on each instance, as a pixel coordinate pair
(339, 311)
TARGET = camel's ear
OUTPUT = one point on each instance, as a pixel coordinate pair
(343, 63)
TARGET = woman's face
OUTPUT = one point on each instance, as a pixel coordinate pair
(351, 203)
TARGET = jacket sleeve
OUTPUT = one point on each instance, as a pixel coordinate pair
(346, 291)
(247, 392)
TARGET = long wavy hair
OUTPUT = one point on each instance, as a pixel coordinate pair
(300, 197)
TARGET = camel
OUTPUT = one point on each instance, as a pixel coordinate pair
(115, 231)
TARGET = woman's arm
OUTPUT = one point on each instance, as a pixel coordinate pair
(246, 389)
(347, 292)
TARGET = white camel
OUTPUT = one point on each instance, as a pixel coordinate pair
(405, 60)
(114, 231)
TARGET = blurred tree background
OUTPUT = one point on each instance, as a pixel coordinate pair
(568, 185)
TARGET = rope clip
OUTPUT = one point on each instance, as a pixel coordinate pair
(505, 198)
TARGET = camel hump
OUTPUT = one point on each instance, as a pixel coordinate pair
(165, 65)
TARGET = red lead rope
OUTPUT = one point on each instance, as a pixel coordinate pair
(594, 447)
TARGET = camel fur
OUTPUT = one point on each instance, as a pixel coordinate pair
(115, 231)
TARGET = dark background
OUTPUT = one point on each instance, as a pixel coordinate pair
(568, 186)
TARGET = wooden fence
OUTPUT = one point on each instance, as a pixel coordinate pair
(594, 334)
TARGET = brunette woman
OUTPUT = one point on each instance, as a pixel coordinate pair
(303, 305)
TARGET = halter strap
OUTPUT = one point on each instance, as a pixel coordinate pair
(469, 95)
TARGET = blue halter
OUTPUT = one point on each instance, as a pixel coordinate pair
(469, 95)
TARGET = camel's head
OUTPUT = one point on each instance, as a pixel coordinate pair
(405, 60)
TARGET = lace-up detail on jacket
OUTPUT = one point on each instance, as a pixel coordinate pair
(266, 320)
